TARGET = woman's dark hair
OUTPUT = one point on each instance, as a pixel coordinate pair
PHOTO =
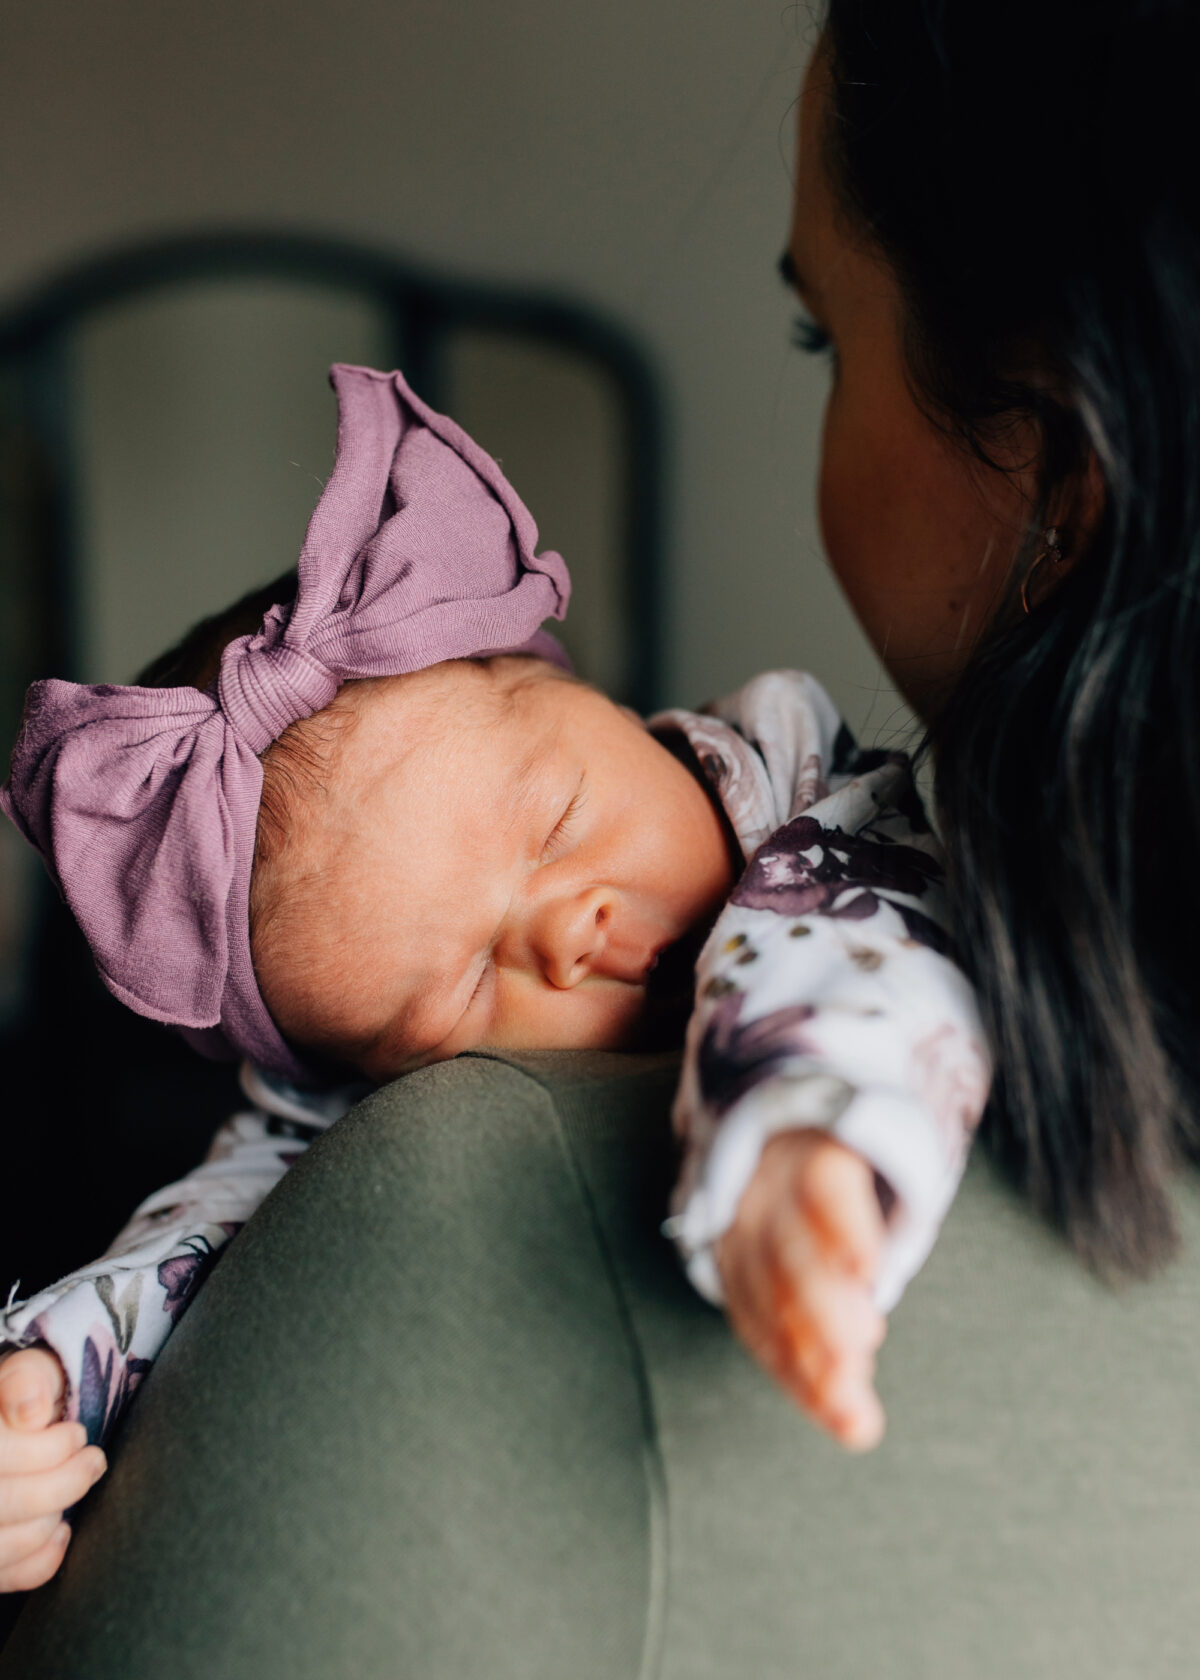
(1028, 170)
(299, 756)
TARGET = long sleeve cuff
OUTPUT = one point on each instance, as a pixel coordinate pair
(889, 1130)
(849, 1026)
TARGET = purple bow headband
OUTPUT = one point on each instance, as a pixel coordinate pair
(143, 802)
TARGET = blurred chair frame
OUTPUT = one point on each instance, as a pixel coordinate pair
(422, 312)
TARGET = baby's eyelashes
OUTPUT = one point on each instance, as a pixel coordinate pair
(560, 834)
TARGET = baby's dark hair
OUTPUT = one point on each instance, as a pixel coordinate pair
(297, 761)
(195, 659)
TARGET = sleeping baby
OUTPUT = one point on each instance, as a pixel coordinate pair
(370, 822)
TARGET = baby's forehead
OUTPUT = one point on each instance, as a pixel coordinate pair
(459, 688)
(448, 721)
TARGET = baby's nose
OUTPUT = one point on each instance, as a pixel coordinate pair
(569, 936)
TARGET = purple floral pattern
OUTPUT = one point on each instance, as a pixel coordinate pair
(806, 868)
(733, 1056)
(108, 1382)
(182, 1274)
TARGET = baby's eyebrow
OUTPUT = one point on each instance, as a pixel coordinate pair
(527, 775)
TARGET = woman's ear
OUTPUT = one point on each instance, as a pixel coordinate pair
(1074, 519)
(1084, 509)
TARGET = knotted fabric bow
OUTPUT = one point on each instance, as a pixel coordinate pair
(143, 802)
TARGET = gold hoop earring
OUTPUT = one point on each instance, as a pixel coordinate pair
(1052, 552)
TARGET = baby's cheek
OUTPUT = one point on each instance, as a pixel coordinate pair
(597, 1014)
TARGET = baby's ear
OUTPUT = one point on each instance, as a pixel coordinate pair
(31, 1389)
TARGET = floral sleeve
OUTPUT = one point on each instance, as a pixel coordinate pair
(828, 993)
(109, 1320)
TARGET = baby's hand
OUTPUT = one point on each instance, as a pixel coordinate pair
(798, 1265)
(44, 1468)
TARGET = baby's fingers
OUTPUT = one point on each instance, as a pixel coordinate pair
(829, 1330)
(821, 1309)
(837, 1193)
(750, 1297)
(849, 1408)
(26, 1497)
(19, 1541)
(22, 1454)
(31, 1389)
(36, 1568)
(826, 1322)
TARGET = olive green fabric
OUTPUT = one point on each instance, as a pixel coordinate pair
(448, 1411)
(1033, 1512)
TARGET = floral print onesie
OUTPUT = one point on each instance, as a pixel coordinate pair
(826, 995)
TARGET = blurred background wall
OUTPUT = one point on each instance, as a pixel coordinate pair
(633, 155)
(632, 158)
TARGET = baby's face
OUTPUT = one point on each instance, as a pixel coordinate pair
(502, 857)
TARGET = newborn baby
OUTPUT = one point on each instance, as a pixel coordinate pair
(482, 852)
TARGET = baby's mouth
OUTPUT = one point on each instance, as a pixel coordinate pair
(672, 974)
(668, 996)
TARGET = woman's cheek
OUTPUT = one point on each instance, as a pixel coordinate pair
(851, 513)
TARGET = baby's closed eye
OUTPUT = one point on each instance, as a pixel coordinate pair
(560, 833)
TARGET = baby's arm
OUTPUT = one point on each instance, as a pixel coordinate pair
(834, 1074)
(78, 1350)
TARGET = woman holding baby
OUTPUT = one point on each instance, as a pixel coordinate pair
(996, 239)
